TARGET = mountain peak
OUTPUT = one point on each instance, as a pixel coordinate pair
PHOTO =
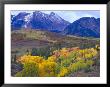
(22, 14)
(87, 18)
(52, 14)
(37, 12)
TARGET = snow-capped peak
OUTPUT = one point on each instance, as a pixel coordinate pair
(39, 20)
(28, 17)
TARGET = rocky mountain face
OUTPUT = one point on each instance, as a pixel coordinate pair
(39, 20)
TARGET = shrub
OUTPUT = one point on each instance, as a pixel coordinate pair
(45, 52)
(63, 72)
(47, 69)
(57, 68)
(66, 62)
(89, 62)
(29, 70)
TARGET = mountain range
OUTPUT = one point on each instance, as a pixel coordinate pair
(84, 27)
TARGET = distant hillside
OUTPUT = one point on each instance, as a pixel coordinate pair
(31, 34)
(84, 27)
(28, 37)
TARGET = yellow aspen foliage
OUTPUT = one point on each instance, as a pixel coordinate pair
(52, 59)
(60, 63)
(47, 68)
(28, 58)
(63, 72)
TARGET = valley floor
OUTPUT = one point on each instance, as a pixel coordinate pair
(45, 43)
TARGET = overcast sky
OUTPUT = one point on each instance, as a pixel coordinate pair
(69, 15)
